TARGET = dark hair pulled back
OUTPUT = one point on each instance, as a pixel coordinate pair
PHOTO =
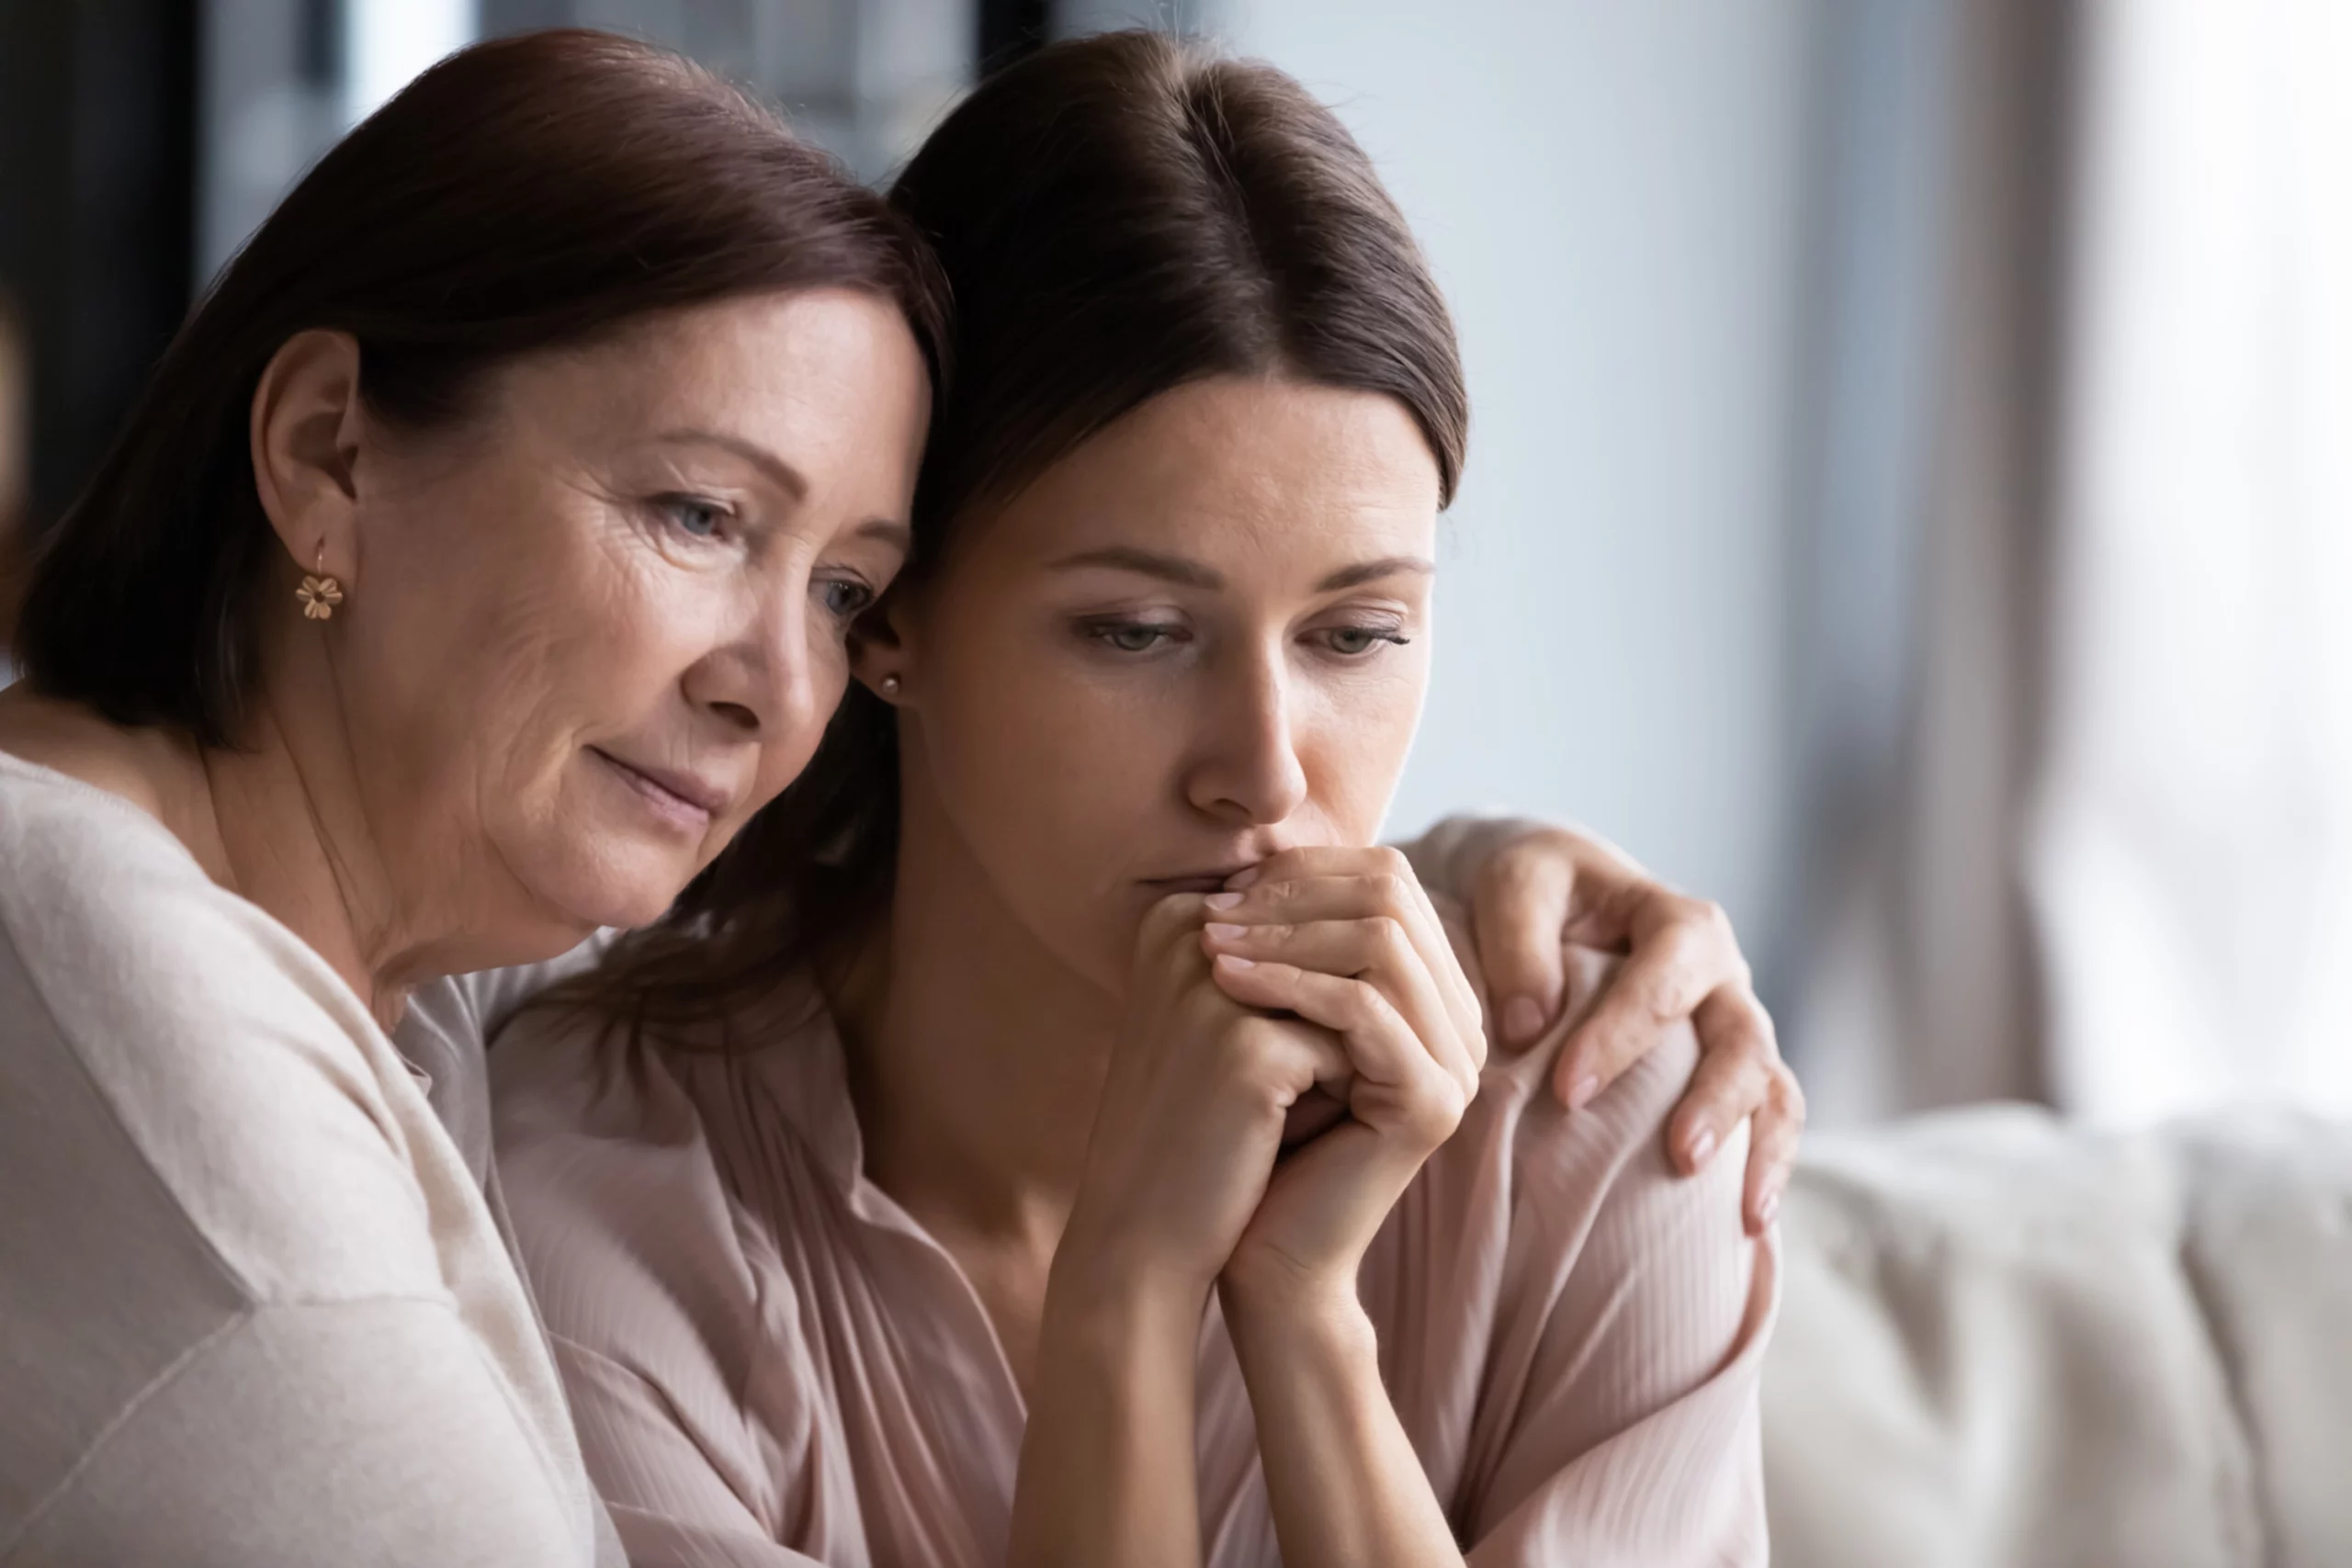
(1115, 217)
(528, 194)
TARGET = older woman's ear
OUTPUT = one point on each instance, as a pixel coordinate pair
(307, 430)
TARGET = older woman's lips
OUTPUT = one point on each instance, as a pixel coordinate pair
(680, 798)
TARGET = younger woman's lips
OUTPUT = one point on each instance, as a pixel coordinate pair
(1194, 882)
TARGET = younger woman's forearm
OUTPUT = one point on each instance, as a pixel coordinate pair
(1107, 1467)
(1342, 1476)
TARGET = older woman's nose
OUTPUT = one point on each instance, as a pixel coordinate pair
(1245, 764)
(764, 681)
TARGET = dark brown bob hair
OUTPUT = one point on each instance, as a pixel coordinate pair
(529, 194)
(1115, 217)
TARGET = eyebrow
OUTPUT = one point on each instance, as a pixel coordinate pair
(1192, 574)
(785, 476)
(889, 532)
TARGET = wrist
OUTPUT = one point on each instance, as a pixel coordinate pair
(1109, 1298)
(1273, 1303)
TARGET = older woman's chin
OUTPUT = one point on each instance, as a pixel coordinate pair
(601, 879)
(600, 848)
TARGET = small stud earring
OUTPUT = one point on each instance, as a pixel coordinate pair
(889, 685)
(320, 593)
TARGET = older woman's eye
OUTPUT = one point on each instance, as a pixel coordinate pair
(1354, 642)
(693, 515)
(846, 598)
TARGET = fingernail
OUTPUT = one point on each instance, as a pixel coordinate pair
(1223, 900)
(1769, 1206)
(1233, 961)
(1700, 1147)
(1581, 1094)
(1242, 879)
(1521, 1018)
(1225, 933)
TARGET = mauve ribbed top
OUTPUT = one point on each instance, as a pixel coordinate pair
(771, 1362)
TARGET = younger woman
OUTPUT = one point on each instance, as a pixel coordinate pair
(1058, 1133)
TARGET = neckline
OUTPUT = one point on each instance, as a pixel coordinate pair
(45, 776)
(42, 776)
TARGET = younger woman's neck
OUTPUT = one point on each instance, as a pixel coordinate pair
(978, 1061)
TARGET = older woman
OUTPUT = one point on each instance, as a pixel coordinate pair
(482, 558)
(1060, 1135)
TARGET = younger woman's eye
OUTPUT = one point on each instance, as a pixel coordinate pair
(1132, 637)
(1353, 642)
(693, 515)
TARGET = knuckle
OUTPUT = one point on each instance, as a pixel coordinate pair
(1437, 1106)
(1661, 997)
(1358, 1003)
(1389, 861)
(1746, 1089)
(1248, 1045)
(1738, 1044)
(1717, 942)
(1789, 1096)
(1536, 851)
(1391, 892)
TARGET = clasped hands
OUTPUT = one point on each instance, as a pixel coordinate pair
(1296, 1046)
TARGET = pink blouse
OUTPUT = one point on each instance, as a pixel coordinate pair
(771, 1363)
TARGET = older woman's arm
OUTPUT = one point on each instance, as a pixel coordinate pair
(226, 1332)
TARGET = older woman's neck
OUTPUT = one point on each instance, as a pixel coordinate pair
(291, 838)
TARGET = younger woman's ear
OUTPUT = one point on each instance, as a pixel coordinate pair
(304, 432)
(877, 652)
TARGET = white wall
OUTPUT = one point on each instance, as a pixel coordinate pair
(1610, 192)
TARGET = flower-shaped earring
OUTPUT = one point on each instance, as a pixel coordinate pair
(320, 593)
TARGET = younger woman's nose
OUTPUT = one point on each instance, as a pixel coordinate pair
(1246, 763)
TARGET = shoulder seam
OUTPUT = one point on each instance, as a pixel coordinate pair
(72, 1047)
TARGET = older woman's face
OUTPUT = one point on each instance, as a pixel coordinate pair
(1200, 639)
(590, 632)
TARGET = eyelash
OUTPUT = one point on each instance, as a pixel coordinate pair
(671, 506)
(1107, 632)
(865, 596)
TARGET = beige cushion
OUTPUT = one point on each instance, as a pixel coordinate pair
(2008, 1343)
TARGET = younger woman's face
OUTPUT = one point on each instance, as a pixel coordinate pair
(1202, 637)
